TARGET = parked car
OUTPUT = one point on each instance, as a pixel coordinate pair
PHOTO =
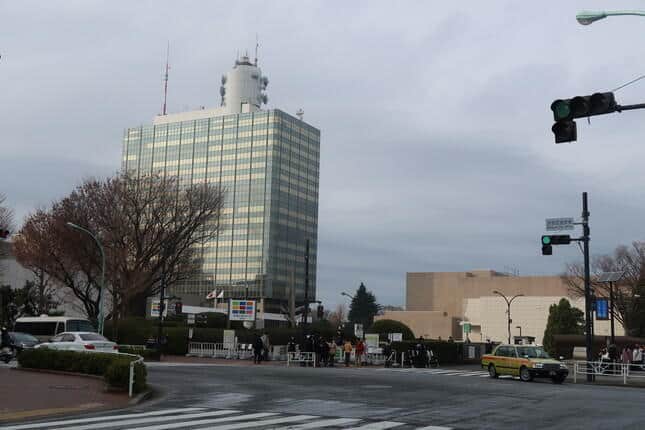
(23, 341)
(525, 361)
(80, 341)
(44, 326)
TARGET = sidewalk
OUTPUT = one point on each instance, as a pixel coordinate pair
(25, 394)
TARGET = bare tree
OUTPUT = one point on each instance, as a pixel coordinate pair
(150, 228)
(627, 292)
(338, 315)
(6, 223)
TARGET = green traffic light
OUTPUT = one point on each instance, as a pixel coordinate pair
(546, 240)
(561, 110)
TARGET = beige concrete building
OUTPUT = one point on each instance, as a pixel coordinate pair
(439, 303)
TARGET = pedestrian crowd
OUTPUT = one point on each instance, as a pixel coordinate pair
(630, 354)
(261, 348)
(324, 350)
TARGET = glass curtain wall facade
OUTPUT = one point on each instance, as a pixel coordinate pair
(268, 164)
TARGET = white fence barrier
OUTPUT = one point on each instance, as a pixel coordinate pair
(301, 357)
(607, 368)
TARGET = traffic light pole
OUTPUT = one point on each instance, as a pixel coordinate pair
(588, 310)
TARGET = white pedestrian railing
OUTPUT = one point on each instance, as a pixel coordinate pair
(137, 359)
(607, 368)
(301, 357)
(215, 350)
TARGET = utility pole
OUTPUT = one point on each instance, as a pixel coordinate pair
(588, 311)
(611, 309)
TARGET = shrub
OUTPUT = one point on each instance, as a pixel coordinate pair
(383, 327)
(114, 368)
(147, 354)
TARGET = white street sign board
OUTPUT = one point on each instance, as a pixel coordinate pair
(395, 337)
(559, 224)
(191, 319)
(154, 308)
(358, 330)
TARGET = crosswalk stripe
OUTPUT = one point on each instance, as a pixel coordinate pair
(209, 421)
(148, 420)
(99, 419)
(262, 423)
(434, 428)
(381, 425)
(322, 423)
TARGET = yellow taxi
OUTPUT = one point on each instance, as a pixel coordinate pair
(525, 361)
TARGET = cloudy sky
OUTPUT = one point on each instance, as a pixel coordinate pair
(436, 150)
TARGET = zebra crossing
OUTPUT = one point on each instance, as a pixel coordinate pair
(442, 372)
(213, 419)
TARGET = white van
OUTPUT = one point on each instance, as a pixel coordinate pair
(45, 327)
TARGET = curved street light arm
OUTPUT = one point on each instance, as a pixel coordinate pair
(589, 17)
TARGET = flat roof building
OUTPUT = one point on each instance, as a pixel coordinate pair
(438, 304)
(268, 162)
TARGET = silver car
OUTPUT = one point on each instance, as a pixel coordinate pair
(80, 341)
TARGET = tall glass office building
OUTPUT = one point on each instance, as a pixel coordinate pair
(268, 163)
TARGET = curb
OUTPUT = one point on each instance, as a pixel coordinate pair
(142, 397)
(57, 372)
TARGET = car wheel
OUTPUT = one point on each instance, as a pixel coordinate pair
(492, 371)
(525, 374)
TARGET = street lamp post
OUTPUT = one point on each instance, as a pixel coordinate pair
(348, 295)
(508, 310)
(589, 17)
(101, 288)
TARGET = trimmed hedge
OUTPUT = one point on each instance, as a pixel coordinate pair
(114, 368)
(383, 327)
(147, 354)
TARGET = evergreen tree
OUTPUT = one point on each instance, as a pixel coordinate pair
(364, 307)
(563, 319)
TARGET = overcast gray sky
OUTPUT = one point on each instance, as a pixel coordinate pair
(436, 150)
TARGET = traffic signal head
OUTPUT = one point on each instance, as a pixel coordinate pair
(178, 308)
(566, 110)
(4, 233)
(565, 131)
(583, 106)
(554, 239)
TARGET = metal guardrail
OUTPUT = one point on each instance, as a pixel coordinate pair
(607, 368)
(301, 357)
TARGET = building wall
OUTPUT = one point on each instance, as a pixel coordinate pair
(268, 163)
(436, 303)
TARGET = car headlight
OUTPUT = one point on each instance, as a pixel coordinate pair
(538, 365)
(563, 366)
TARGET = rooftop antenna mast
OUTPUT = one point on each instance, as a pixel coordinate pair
(165, 81)
(257, 45)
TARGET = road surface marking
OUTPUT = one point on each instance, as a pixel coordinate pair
(381, 425)
(99, 419)
(262, 423)
(434, 428)
(205, 422)
(148, 420)
(322, 423)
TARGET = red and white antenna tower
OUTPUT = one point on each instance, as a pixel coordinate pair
(165, 81)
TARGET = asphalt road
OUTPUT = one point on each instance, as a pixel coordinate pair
(231, 397)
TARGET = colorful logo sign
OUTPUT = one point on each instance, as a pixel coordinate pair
(242, 310)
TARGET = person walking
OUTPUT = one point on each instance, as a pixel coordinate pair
(332, 353)
(324, 353)
(5, 341)
(258, 348)
(347, 349)
(626, 356)
(360, 350)
(637, 357)
(266, 346)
